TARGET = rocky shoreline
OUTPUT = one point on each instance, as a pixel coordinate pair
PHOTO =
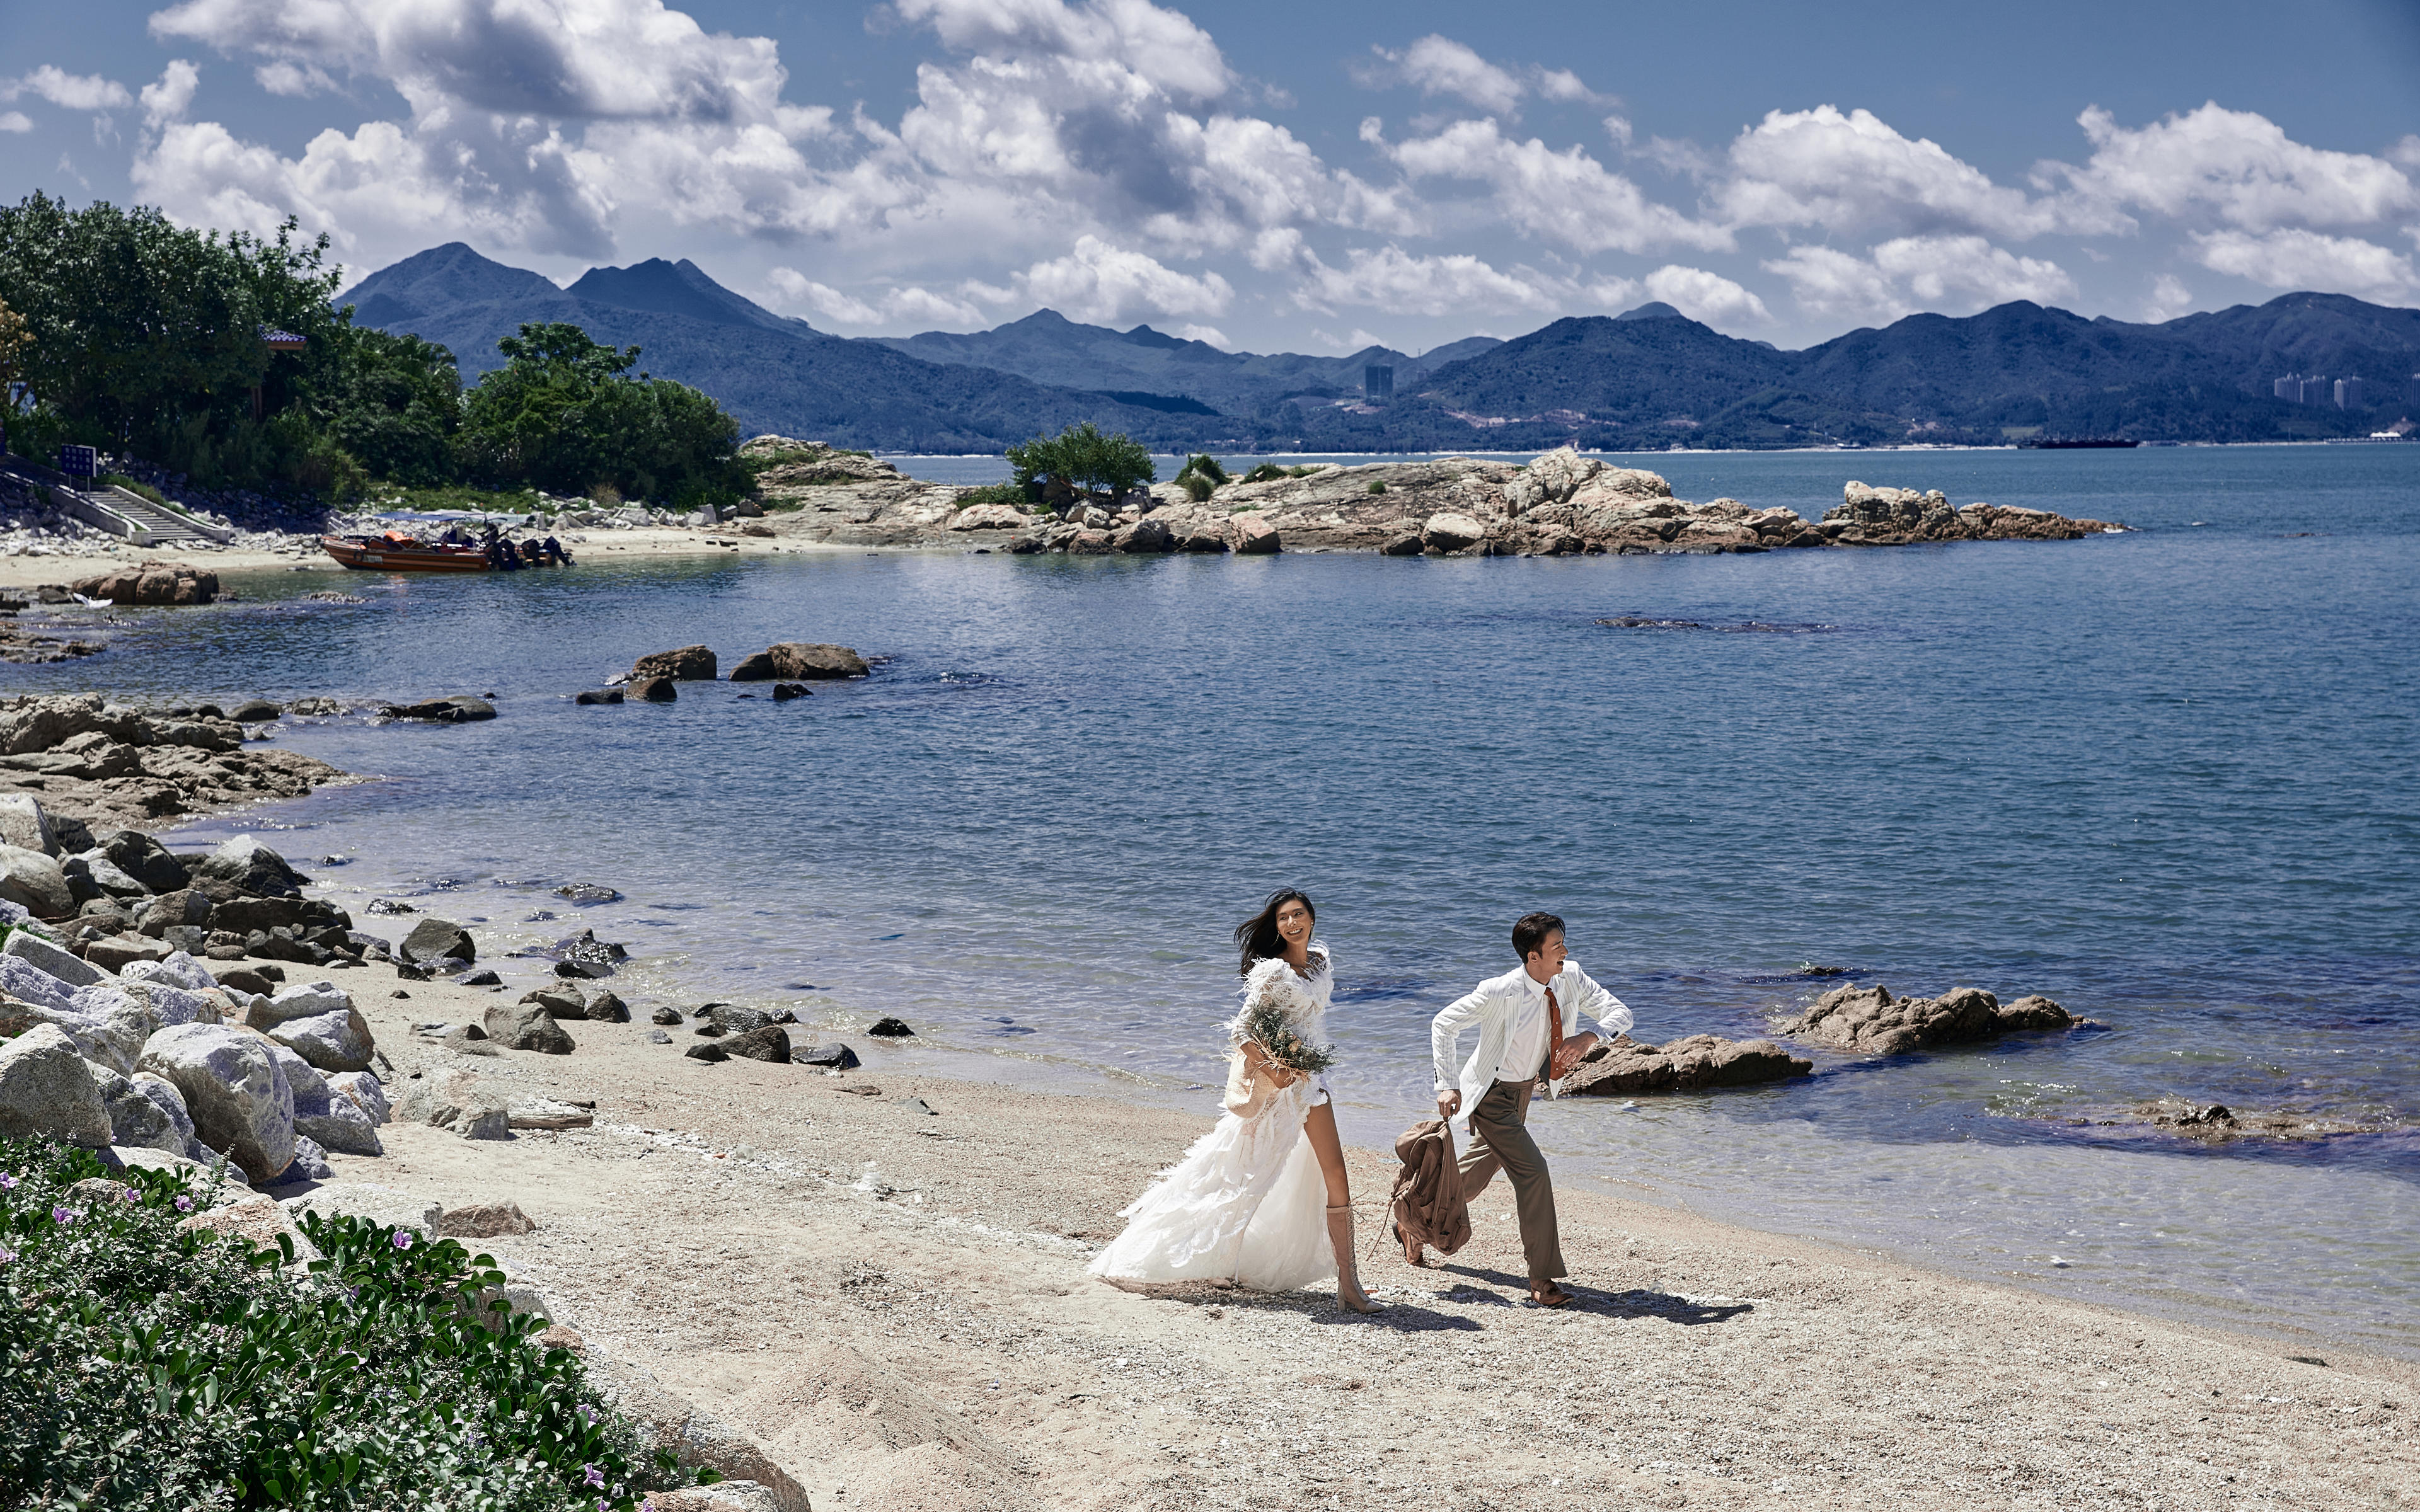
(1561, 503)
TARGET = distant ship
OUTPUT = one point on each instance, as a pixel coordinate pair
(2077, 443)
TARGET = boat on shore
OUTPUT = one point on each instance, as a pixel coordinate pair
(396, 551)
(2077, 443)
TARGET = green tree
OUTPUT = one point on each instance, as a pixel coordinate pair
(14, 340)
(392, 402)
(149, 336)
(1082, 457)
(563, 413)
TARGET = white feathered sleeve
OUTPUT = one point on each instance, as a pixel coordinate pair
(1269, 980)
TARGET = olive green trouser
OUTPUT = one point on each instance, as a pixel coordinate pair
(1499, 1136)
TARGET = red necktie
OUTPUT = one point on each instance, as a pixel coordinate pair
(1554, 1034)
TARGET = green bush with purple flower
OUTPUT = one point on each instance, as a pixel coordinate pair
(142, 1366)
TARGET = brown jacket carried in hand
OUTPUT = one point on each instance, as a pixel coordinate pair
(1427, 1202)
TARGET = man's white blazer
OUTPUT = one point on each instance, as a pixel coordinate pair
(1495, 1006)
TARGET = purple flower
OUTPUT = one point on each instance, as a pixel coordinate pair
(7, 1256)
(64, 1215)
(184, 1204)
(596, 1477)
(7, 1182)
(403, 1239)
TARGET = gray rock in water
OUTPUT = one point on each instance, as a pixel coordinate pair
(239, 1101)
(34, 882)
(785, 693)
(47, 1091)
(769, 1042)
(689, 664)
(145, 860)
(252, 866)
(665, 1015)
(805, 661)
(1625, 1068)
(256, 711)
(459, 709)
(655, 690)
(1870, 1020)
(435, 939)
(598, 695)
(527, 1027)
(890, 1028)
(836, 1055)
(732, 1019)
(606, 1007)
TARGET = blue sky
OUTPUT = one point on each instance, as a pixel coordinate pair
(1275, 177)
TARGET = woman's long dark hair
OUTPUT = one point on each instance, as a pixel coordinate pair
(1257, 936)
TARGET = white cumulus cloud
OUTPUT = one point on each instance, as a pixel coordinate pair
(1855, 173)
(1706, 296)
(1101, 283)
(15, 120)
(2299, 259)
(173, 95)
(1952, 274)
(2169, 299)
(1566, 197)
(2236, 166)
(69, 91)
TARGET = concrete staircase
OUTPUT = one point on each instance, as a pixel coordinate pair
(108, 507)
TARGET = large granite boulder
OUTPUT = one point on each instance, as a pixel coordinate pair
(151, 583)
(689, 664)
(527, 1027)
(144, 859)
(1255, 537)
(53, 960)
(810, 661)
(47, 1091)
(34, 881)
(1870, 1020)
(24, 824)
(252, 866)
(239, 1101)
(1624, 1068)
(330, 1118)
(336, 1042)
(438, 939)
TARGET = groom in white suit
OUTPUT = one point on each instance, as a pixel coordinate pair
(1522, 1017)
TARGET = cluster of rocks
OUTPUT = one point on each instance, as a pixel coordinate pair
(34, 644)
(161, 1055)
(113, 764)
(1623, 1067)
(152, 583)
(2216, 1123)
(1561, 503)
(1869, 1021)
(790, 665)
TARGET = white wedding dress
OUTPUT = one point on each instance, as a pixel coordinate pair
(1247, 1204)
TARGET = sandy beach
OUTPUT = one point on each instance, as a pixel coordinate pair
(896, 1302)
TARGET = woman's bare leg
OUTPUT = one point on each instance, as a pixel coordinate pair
(1320, 1124)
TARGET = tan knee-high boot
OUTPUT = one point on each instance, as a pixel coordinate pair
(1348, 1284)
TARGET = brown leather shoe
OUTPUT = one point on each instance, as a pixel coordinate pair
(1415, 1253)
(1548, 1294)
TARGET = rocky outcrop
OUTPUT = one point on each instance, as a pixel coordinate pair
(1625, 1068)
(110, 766)
(1869, 1021)
(1561, 504)
(2216, 1123)
(689, 664)
(800, 661)
(460, 708)
(787, 468)
(152, 583)
(1867, 515)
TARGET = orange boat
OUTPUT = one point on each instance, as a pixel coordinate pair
(395, 552)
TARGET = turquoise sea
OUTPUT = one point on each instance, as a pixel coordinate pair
(2169, 778)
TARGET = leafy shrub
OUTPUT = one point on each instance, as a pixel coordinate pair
(145, 1367)
(1197, 488)
(1376, 485)
(1203, 465)
(993, 493)
(1082, 457)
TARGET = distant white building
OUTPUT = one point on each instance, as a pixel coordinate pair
(2289, 388)
(2317, 390)
(2351, 394)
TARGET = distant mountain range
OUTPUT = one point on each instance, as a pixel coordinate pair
(1644, 380)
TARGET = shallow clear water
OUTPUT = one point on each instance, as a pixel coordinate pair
(2166, 777)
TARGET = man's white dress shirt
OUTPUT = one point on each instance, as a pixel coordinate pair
(1509, 1012)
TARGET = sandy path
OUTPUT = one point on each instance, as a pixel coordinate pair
(921, 1334)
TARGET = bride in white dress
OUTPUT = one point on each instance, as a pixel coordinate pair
(1261, 1199)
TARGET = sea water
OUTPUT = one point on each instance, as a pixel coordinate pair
(2168, 778)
